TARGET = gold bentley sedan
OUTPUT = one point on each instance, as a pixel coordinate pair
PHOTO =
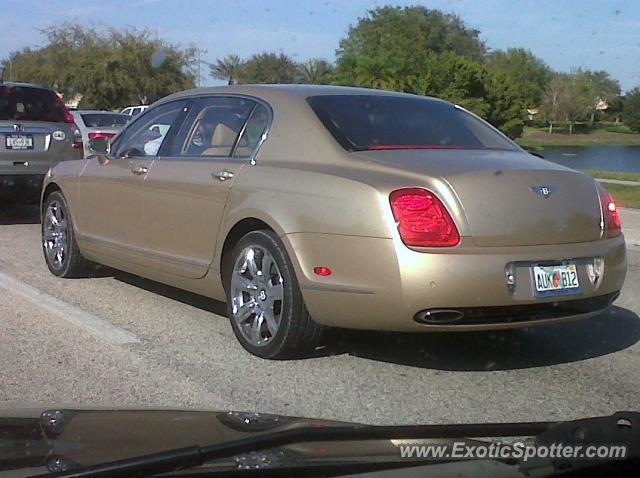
(305, 207)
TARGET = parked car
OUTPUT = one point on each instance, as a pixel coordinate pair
(98, 124)
(312, 206)
(134, 110)
(36, 131)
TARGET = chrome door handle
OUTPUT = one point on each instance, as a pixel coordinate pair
(140, 170)
(222, 175)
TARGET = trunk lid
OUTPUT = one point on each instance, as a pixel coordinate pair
(503, 194)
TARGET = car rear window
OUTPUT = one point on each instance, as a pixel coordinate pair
(24, 103)
(371, 122)
(104, 120)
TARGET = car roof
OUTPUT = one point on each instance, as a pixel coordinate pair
(14, 84)
(287, 90)
(96, 112)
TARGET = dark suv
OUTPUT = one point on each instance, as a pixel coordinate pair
(36, 132)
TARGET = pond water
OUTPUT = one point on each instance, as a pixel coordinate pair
(610, 158)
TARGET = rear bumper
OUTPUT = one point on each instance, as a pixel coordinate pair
(15, 184)
(380, 284)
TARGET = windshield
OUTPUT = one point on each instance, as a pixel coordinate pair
(102, 120)
(362, 122)
(18, 103)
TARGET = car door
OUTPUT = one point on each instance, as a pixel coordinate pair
(186, 191)
(110, 192)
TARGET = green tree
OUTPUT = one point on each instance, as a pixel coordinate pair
(598, 87)
(395, 42)
(566, 99)
(315, 72)
(228, 68)
(631, 109)
(551, 101)
(110, 69)
(269, 68)
(528, 74)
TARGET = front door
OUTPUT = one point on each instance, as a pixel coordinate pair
(110, 194)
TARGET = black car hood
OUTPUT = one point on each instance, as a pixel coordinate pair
(39, 440)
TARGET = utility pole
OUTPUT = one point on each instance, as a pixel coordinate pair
(200, 51)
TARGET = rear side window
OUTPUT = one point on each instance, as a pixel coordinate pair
(213, 126)
(253, 131)
(104, 120)
(23, 103)
(370, 122)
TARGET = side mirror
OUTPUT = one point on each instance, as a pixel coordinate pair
(99, 147)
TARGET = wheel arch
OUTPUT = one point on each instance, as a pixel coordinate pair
(46, 192)
(236, 232)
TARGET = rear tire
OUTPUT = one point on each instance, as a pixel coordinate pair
(61, 252)
(266, 307)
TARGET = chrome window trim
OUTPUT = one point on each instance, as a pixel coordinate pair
(263, 138)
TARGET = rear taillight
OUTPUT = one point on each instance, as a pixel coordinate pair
(422, 219)
(68, 117)
(612, 223)
(101, 135)
(77, 137)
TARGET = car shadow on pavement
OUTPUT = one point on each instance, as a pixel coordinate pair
(18, 213)
(194, 300)
(614, 330)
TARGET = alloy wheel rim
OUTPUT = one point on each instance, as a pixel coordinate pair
(257, 295)
(55, 235)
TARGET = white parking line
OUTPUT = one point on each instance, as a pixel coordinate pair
(99, 328)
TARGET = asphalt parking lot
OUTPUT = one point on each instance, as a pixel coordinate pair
(118, 340)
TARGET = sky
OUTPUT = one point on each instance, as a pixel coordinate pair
(598, 35)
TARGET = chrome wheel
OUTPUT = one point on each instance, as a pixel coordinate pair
(256, 295)
(55, 235)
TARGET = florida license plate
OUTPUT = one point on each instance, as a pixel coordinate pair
(561, 279)
(18, 141)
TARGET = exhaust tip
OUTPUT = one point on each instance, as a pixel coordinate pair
(438, 316)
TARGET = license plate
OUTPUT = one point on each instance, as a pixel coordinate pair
(19, 141)
(561, 279)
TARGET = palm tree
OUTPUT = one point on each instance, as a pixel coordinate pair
(314, 71)
(229, 68)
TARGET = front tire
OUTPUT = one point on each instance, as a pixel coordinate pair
(59, 245)
(266, 308)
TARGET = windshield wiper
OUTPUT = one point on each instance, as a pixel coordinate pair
(189, 457)
(622, 429)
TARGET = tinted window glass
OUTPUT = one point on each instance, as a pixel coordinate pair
(213, 127)
(145, 136)
(362, 122)
(104, 120)
(255, 127)
(18, 103)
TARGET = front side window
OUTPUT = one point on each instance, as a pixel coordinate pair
(377, 122)
(147, 134)
(212, 127)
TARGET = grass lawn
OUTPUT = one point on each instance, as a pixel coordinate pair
(612, 175)
(538, 139)
(623, 195)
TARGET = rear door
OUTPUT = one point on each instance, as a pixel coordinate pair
(110, 193)
(186, 190)
(36, 130)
